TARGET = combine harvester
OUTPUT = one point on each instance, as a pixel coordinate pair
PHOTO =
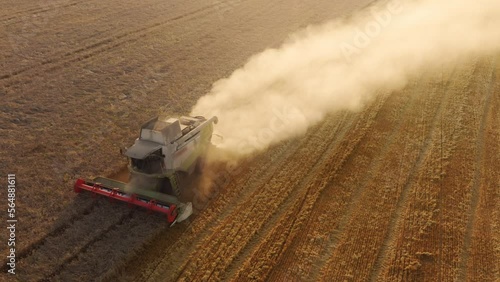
(165, 148)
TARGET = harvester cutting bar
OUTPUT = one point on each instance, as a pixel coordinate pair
(115, 193)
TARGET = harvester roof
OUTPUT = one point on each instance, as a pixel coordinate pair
(141, 149)
(160, 131)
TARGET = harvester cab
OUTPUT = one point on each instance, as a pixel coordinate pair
(166, 148)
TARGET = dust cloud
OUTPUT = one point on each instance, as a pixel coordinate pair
(343, 64)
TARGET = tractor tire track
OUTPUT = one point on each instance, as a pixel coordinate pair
(364, 251)
(413, 253)
(42, 8)
(279, 235)
(290, 208)
(124, 219)
(37, 11)
(79, 216)
(300, 245)
(86, 231)
(104, 45)
(114, 246)
(477, 180)
(353, 196)
(402, 200)
(482, 264)
(421, 211)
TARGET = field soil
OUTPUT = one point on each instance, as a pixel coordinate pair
(406, 189)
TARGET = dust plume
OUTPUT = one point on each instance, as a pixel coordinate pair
(280, 93)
